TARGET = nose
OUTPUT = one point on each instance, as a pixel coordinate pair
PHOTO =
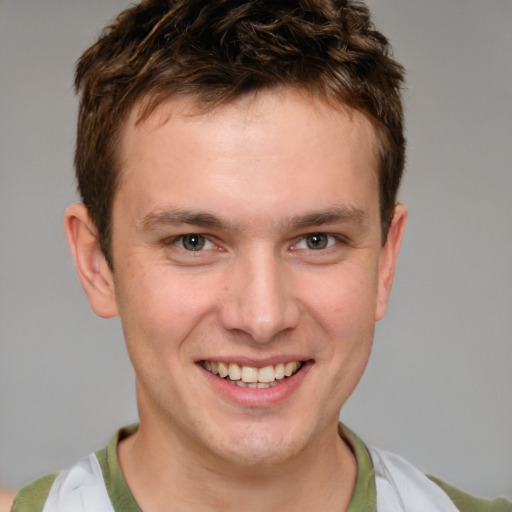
(259, 299)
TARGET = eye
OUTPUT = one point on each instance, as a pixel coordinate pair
(316, 241)
(193, 242)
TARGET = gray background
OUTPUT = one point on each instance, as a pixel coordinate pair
(439, 386)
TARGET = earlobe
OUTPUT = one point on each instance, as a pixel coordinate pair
(388, 259)
(92, 268)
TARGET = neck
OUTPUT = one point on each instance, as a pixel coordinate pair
(322, 477)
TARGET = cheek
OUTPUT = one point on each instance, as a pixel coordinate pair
(160, 308)
(343, 307)
(341, 317)
(345, 301)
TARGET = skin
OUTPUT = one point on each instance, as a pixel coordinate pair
(6, 499)
(255, 178)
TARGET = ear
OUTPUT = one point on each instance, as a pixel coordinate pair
(91, 265)
(388, 259)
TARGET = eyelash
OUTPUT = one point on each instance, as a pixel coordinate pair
(180, 241)
(330, 240)
(203, 242)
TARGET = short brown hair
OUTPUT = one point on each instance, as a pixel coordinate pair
(219, 50)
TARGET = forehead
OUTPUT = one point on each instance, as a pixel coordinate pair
(281, 147)
(297, 110)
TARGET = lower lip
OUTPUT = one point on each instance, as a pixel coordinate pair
(254, 397)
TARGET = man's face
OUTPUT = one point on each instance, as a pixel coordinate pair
(248, 240)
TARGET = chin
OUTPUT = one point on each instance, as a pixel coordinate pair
(258, 445)
(260, 452)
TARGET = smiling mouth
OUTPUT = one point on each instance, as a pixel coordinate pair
(251, 377)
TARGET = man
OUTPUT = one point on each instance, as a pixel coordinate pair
(238, 163)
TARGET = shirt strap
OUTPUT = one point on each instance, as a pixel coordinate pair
(403, 488)
(80, 489)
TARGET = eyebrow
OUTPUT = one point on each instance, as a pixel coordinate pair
(332, 215)
(181, 216)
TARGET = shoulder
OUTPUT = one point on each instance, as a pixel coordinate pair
(93, 483)
(468, 503)
(400, 483)
(32, 497)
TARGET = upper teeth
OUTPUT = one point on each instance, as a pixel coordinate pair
(250, 374)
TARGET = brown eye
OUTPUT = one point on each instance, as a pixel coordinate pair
(193, 242)
(317, 241)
